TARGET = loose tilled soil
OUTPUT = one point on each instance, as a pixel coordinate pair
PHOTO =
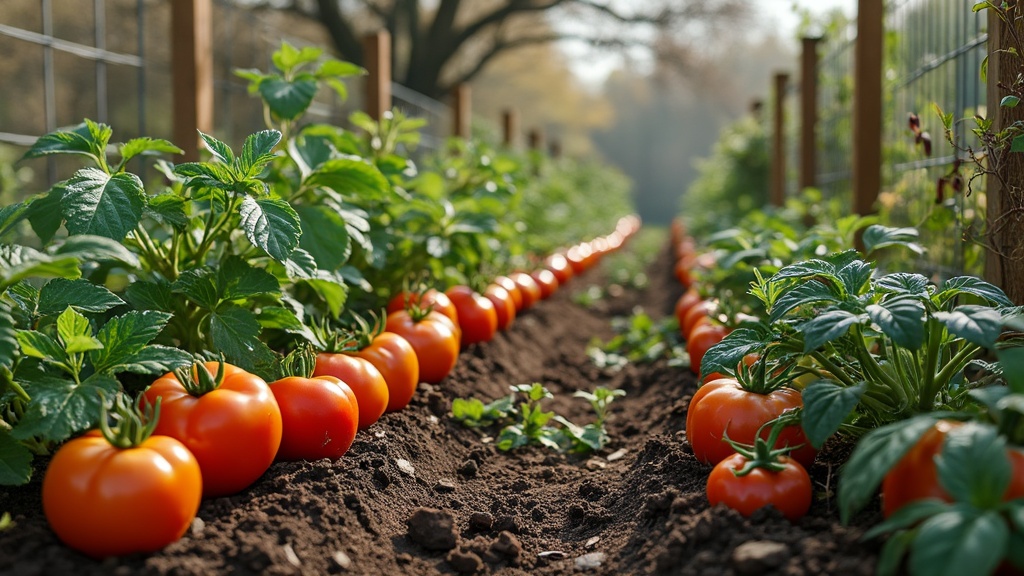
(419, 494)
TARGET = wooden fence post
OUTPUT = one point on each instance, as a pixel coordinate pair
(377, 54)
(535, 139)
(867, 106)
(778, 188)
(510, 127)
(462, 113)
(192, 73)
(1004, 257)
(808, 112)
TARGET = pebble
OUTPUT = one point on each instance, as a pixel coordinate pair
(759, 556)
(444, 485)
(433, 529)
(595, 464)
(617, 455)
(507, 545)
(406, 467)
(592, 542)
(553, 555)
(291, 556)
(591, 561)
(469, 468)
(198, 527)
(342, 559)
(481, 521)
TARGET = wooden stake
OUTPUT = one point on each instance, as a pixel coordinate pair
(808, 112)
(462, 112)
(510, 125)
(192, 73)
(778, 188)
(867, 107)
(377, 53)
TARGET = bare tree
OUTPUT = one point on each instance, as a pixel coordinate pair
(438, 44)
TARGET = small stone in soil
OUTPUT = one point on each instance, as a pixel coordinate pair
(480, 521)
(469, 468)
(291, 556)
(198, 526)
(342, 559)
(595, 464)
(406, 467)
(592, 542)
(759, 556)
(553, 555)
(507, 523)
(404, 558)
(590, 561)
(507, 545)
(444, 485)
(433, 529)
(464, 561)
(617, 455)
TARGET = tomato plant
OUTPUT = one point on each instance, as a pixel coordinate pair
(477, 318)
(319, 415)
(362, 377)
(227, 417)
(432, 337)
(122, 489)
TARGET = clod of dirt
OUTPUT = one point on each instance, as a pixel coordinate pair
(509, 546)
(480, 521)
(464, 561)
(444, 485)
(591, 561)
(759, 556)
(433, 529)
(469, 468)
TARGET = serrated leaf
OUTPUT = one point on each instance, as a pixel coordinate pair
(301, 266)
(876, 237)
(727, 354)
(279, 318)
(15, 461)
(271, 225)
(288, 57)
(168, 208)
(902, 319)
(209, 174)
(20, 262)
(310, 151)
(826, 406)
(220, 150)
(59, 293)
(352, 177)
(8, 336)
(97, 203)
(288, 100)
(237, 279)
(235, 332)
(331, 292)
(973, 466)
(87, 247)
(974, 287)
(145, 295)
(855, 275)
(39, 345)
(155, 359)
(979, 325)
(324, 236)
(124, 336)
(71, 323)
(954, 543)
(199, 285)
(60, 409)
(875, 454)
(257, 152)
(811, 292)
(76, 141)
(45, 215)
(146, 146)
(827, 327)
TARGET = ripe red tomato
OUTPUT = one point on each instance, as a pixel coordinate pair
(577, 256)
(234, 430)
(108, 501)
(560, 267)
(513, 290)
(915, 477)
(504, 305)
(477, 317)
(701, 339)
(439, 300)
(788, 490)
(528, 287)
(362, 377)
(682, 270)
(698, 313)
(688, 300)
(396, 360)
(546, 280)
(320, 417)
(434, 339)
(723, 403)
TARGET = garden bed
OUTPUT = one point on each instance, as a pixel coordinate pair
(637, 508)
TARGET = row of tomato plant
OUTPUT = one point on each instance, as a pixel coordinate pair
(319, 259)
(798, 339)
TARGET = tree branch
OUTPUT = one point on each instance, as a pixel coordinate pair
(344, 37)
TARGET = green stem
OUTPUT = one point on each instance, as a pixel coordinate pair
(931, 354)
(955, 365)
(835, 369)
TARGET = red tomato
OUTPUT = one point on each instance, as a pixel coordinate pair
(439, 300)
(915, 477)
(477, 317)
(560, 267)
(504, 305)
(108, 501)
(699, 312)
(396, 360)
(320, 417)
(688, 300)
(577, 256)
(434, 339)
(682, 270)
(788, 490)
(701, 339)
(528, 287)
(513, 290)
(234, 431)
(362, 377)
(722, 404)
(546, 280)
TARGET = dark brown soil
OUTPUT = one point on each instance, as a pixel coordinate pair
(465, 507)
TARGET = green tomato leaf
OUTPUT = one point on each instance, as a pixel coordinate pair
(71, 323)
(301, 266)
(20, 262)
(812, 292)
(8, 336)
(310, 150)
(909, 516)
(199, 285)
(876, 453)
(145, 295)
(324, 236)
(826, 406)
(78, 140)
(727, 354)
(15, 461)
(235, 332)
(902, 319)
(890, 560)
(973, 286)
(168, 208)
(59, 293)
(220, 150)
(60, 409)
(855, 276)
(148, 147)
(209, 174)
(257, 152)
(973, 466)
(1012, 362)
(279, 318)
(826, 327)
(288, 57)
(331, 292)
(45, 215)
(468, 411)
(124, 336)
(96, 248)
(288, 100)
(97, 203)
(272, 225)
(877, 237)
(959, 542)
(979, 325)
(904, 283)
(237, 279)
(155, 359)
(352, 177)
(339, 69)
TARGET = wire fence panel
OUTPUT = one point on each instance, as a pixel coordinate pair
(835, 115)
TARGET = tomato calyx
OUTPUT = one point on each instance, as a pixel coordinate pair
(197, 380)
(134, 424)
(363, 333)
(331, 339)
(763, 454)
(299, 362)
(761, 378)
